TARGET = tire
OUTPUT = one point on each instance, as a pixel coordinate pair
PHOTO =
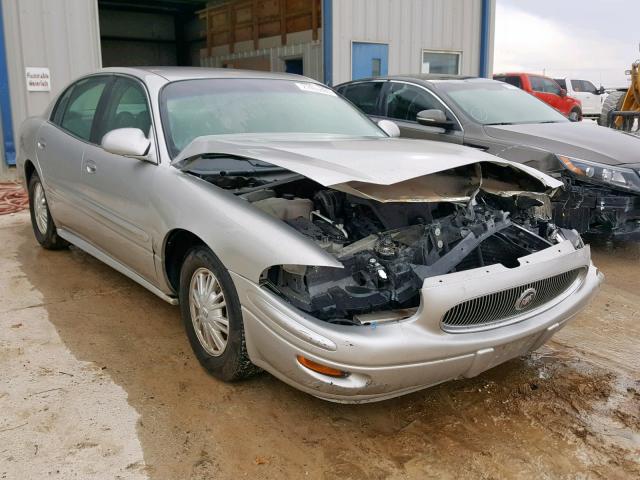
(44, 228)
(575, 115)
(612, 103)
(231, 362)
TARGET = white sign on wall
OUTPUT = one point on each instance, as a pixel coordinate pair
(38, 79)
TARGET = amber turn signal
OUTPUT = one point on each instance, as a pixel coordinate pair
(323, 369)
(567, 163)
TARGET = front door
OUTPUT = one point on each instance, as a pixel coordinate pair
(118, 187)
(588, 94)
(548, 91)
(402, 102)
(369, 60)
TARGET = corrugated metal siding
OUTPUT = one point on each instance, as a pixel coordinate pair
(62, 35)
(311, 53)
(408, 27)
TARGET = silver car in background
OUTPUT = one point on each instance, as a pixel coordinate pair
(299, 237)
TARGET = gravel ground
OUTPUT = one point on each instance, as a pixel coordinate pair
(97, 380)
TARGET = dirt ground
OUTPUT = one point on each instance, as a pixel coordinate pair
(97, 380)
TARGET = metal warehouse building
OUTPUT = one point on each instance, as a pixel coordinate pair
(44, 44)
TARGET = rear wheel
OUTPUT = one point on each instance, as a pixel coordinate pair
(612, 103)
(41, 220)
(212, 316)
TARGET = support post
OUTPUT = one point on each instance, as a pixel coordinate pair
(5, 100)
(327, 41)
(485, 33)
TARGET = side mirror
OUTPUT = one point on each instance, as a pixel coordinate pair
(434, 118)
(390, 128)
(129, 142)
(600, 91)
(563, 93)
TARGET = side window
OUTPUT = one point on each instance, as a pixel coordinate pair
(537, 84)
(550, 86)
(58, 110)
(364, 96)
(513, 80)
(563, 83)
(127, 108)
(405, 101)
(77, 117)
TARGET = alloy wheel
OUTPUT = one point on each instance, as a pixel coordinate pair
(40, 209)
(208, 311)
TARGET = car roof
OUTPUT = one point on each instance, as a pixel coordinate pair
(425, 78)
(173, 74)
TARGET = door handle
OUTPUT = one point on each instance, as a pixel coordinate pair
(41, 145)
(90, 168)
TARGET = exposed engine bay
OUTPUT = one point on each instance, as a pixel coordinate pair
(387, 248)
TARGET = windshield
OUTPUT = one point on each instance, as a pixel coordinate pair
(498, 103)
(195, 108)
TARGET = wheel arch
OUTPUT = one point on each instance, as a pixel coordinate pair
(29, 168)
(178, 242)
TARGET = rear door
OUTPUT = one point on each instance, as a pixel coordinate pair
(369, 60)
(119, 187)
(60, 148)
(401, 102)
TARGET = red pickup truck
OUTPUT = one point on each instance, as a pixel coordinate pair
(547, 90)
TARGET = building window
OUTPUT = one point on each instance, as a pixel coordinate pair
(376, 67)
(441, 62)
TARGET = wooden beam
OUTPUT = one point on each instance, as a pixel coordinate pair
(209, 13)
(256, 25)
(267, 18)
(232, 27)
(283, 21)
(314, 19)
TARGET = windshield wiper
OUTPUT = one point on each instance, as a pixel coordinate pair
(499, 123)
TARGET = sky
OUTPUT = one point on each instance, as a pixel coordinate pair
(594, 40)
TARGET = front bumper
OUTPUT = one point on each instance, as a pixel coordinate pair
(388, 360)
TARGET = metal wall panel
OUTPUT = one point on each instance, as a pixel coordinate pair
(310, 52)
(408, 27)
(62, 35)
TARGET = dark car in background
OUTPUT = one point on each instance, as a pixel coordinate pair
(600, 167)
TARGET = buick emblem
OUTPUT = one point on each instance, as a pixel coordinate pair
(526, 298)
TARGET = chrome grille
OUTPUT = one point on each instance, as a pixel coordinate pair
(499, 307)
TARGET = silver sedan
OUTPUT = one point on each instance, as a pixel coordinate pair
(299, 237)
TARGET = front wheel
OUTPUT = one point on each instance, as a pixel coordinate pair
(41, 220)
(575, 115)
(212, 316)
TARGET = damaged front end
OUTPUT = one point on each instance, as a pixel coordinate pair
(388, 250)
(600, 200)
(390, 238)
(598, 210)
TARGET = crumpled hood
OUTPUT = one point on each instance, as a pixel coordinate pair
(574, 139)
(338, 161)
